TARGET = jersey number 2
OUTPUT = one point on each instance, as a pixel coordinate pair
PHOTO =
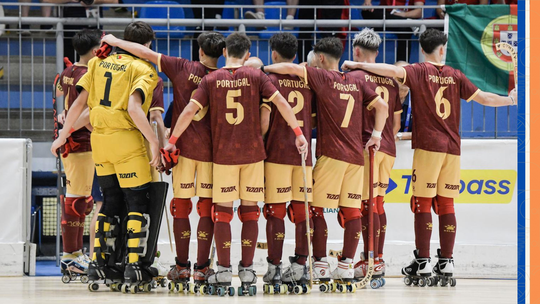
(105, 101)
(299, 104)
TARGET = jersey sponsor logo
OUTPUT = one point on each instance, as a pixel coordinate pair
(207, 186)
(186, 185)
(354, 196)
(113, 66)
(475, 186)
(295, 84)
(242, 82)
(332, 196)
(383, 186)
(431, 185)
(351, 87)
(379, 79)
(67, 80)
(128, 175)
(228, 189)
(254, 189)
(284, 190)
(309, 190)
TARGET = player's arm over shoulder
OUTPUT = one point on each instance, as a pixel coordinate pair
(145, 79)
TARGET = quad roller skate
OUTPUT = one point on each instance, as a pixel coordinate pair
(444, 270)
(297, 277)
(273, 280)
(139, 277)
(111, 276)
(377, 278)
(321, 275)
(219, 283)
(343, 277)
(248, 278)
(74, 265)
(161, 279)
(179, 277)
(418, 273)
(200, 278)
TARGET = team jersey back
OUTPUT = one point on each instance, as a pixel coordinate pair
(196, 141)
(436, 93)
(340, 102)
(68, 80)
(109, 83)
(388, 89)
(280, 139)
(157, 98)
(233, 94)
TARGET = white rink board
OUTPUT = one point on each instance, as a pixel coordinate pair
(486, 242)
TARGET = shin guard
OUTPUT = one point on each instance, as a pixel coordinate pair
(382, 224)
(350, 220)
(108, 243)
(423, 225)
(222, 217)
(71, 223)
(320, 232)
(447, 225)
(275, 230)
(205, 230)
(180, 210)
(249, 215)
(297, 215)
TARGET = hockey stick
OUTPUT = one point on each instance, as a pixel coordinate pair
(510, 49)
(60, 195)
(212, 253)
(154, 126)
(308, 226)
(369, 273)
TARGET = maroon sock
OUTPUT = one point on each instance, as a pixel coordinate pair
(275, 235)
(301, 249)
(351, 237)
(81, 232)
(382, 223)
(222, 233)
(422, 230)
(70, 227)
(447, 234)
(182, 231)
(320, 233)
(250, 231)
(205, 230)
(365, 228)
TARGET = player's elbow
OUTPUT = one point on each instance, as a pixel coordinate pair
(382, 108)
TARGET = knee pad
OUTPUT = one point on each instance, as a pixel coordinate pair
(181, 207)
(76, 206)
(248, 213)
(204, 207)
(138, 198)
(364, 208)
(380, 205)
(297, 212)
(222, 214)
(346, 214)
(274, 210)
(421, 204)
(443, 205)
(317, 212)
(89, 205)
(113, 196)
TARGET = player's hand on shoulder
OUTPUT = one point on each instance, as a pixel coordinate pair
(302, 145)
(348, 65)
(110, 39)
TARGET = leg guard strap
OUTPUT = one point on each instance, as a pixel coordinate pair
(248, 213)
(106, 240)
(274, 210)
(137, 227)
(181, 207)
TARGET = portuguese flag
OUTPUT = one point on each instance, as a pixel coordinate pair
(473, 32)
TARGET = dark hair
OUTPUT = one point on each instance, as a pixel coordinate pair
(330, 46)
(85, 40)
(285, 44)
(139, 32)
(212, 43)
(432, 39)
(237, 45)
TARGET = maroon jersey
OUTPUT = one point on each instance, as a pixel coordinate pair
(436, 93)
(340, 101)
(196, 141)
(157, 98)
(233, 94)
(388, 89)
(280, 139)
(68, 80)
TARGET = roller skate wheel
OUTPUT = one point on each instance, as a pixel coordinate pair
(334, 287)
(113, 287)
(147, 287)
(211, 290)
(93, 287)
(444, 282)
(231, 291)
(133, 289)
(422, 282)
(343, 288)
(180, 287)
(72, 276)
(171, 286)
(163, 282)
(203, 289)
(374, 284)
(415, 281)
(66, 279)
(353, 288)
(297, 289)
(270, 289)
(453, 282)
(407, 281)
(252, 290)
(124, 288)
(282, 289)
(323, 288)
(84, 279)
(307, 289)
(383, 282)
(431, 282)
(220, 291)
(265, 288)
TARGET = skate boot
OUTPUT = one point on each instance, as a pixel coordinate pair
(161, 279)
(418, 272)
(273, 280)
(321, 275)
(297, 277)
(343, 276)
(220, 282)
(200, 278)
(362, 267)
(179, 277)
(248, 278)
(138, 277)
(74, 265)
(444, 270)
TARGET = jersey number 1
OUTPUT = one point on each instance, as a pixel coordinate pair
(105, 101)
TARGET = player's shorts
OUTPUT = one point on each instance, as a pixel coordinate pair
(192, 177)
(337, 183)
(122, 153)
(96, 190)
(79, 168)
(435, 173)
(153, 171)
(382, 167)
(232, 182)
(285, 183)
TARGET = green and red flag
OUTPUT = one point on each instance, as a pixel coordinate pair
(473, 32)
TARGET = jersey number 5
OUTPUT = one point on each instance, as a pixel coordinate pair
(231, 104)
(105, 101)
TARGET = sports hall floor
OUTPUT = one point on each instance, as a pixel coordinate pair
(51, 290)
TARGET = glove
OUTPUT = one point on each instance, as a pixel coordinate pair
(70, 146)
(171, 159)
(67, 62)
(104, 50)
